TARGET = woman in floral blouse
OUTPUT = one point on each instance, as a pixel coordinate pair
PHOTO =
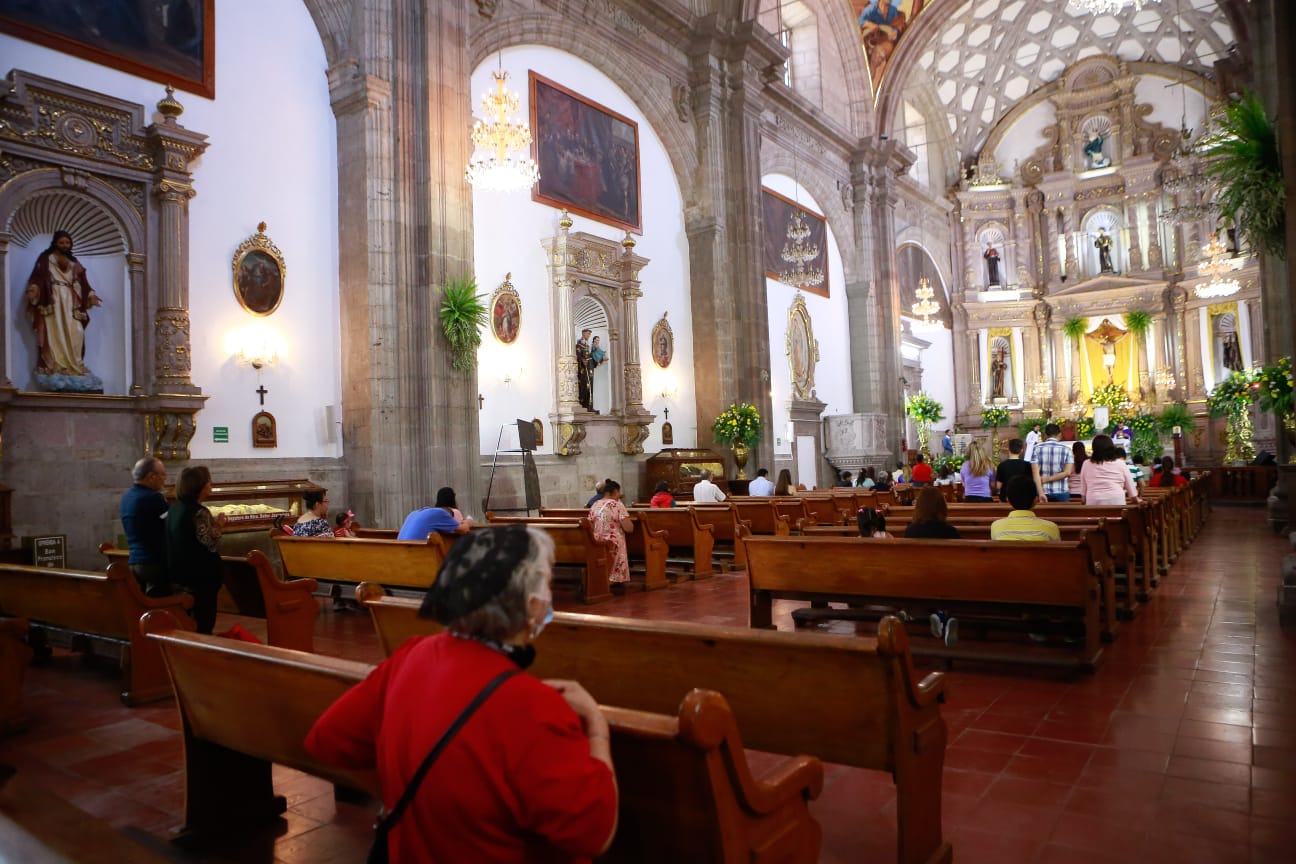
(193, 544)
(611, 522)
(314, 519)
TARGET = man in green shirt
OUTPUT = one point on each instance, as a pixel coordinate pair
(1022, 523)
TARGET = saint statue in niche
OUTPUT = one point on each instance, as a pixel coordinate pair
(998, 372)
(584, 372)
(1104, 246)
(59, 299)
(1232, 352)
(991, 257)
(1093, 151)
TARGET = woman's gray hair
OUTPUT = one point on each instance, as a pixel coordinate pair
(505, 614)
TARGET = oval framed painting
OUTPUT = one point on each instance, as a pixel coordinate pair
(506, 312)
(259, 274)
(802, 349)
(663, 343)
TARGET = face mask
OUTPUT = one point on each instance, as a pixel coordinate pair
(548, 616)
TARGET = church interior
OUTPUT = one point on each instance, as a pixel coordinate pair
(365, 251)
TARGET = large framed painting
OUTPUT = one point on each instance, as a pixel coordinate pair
(506, 312)
(802, 349)
(173, 42)
(259, 273)
(882, 24)
(778, 213)
(588, 156)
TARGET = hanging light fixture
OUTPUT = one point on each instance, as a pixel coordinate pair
(801, 254)
(1164, 380)
(926, 307)
(502, 161)
(1105, 7)
(1216, 265)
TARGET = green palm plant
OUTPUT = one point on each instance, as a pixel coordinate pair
(1138, 322)
(1174, 415)
(463, 315)
(1243, 158)
(1074, 329)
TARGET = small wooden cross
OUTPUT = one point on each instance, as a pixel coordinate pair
(666, 411)
(261, 391)
(481, 400)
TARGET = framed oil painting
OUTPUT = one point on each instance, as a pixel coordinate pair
(259, 274)
(173, 42)
(265, 432)
(506, 312)
(588, 156)
(777, 212)
(663, 343)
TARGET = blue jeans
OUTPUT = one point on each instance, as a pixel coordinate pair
(1058, 497)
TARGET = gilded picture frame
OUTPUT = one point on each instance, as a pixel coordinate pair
(588, 156)
(663, 343)
(265, 431)
(802, 348)
(506, 312)
(171, 43)
(259, 274)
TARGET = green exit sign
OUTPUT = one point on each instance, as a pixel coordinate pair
(220, 434)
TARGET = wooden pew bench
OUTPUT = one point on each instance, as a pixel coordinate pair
(848, 700)
(252, 589)
(409, 564)
(726, 529)
(761, 516)
(1007, 586)
(14, 657)
(686, 790)
(689, 543)
(95, 611)
(574, 547)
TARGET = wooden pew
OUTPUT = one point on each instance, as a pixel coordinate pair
(14, 657)
(398, 563)
(793, 509)
(1004, 581)
(849, 700)
(99, 609)
(253, 589)
(377, 533)
(689, 542)
(761, 516)
(823, 510)
(575, 546)
(686, 791)
(38, 827)
(726, 529)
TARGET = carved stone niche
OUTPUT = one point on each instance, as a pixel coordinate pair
(93, 164)
(595, 283)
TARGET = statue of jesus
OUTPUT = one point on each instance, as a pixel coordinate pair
(59, 299)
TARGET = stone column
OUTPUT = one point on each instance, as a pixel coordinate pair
(141, 344)
(1135, 253)
(1195, 372)
(1155, 259)
(171, 343)
(1069, 224)
(1053, 266)
(6, 318)
(964, 362)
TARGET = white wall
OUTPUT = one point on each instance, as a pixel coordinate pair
(828, 319)
(272, 157)
(1023, 138)
(507, 230)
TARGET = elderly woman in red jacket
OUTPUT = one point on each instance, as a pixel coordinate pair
(528, 776)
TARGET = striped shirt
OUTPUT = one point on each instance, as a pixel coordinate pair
(1023, 525)
(1052, 457)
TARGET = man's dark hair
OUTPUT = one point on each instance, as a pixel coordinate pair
(764, 472)
(1015, 446)
(921, 458)
(1052, 429)
(445, 498)
(1021, 493)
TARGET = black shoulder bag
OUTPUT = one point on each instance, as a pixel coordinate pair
(378, 853)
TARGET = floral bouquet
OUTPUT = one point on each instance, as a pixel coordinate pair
(1273, 387)
(740, 423)
(1233, 396)
(1114, 397)
(925, 411)
(994, 417)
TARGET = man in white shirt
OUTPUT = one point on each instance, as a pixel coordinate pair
(1032, 438)
(762, 485)
(706, 492)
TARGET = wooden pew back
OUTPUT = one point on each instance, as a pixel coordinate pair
(574, 546)
(761, 516)
(399, 563)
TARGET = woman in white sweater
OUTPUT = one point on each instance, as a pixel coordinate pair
(1104, 479)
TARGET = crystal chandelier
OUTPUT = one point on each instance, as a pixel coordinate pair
(501, 162)
(1216, 265)
(926, 307)
(801, 255)
(1104, 7)
(1164, 380)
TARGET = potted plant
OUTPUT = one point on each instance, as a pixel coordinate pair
(463, 315)
(992, 418)
(739, 428)
(1232, 399)
(924, 411)
(1243, 157)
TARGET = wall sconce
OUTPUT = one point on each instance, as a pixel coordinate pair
(257, 347)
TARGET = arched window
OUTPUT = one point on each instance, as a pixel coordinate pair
(797, 29)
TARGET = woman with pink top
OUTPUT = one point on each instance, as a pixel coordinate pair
(1105, 480)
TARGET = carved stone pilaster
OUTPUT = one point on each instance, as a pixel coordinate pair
(632, 438)
(169, 434)
(569, 438)
(171, 354)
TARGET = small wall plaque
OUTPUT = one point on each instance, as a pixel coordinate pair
(264, 430)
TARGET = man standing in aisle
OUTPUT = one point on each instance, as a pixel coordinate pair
(1052, 465)
(143, 510)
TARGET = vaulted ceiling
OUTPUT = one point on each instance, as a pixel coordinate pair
(982, 56)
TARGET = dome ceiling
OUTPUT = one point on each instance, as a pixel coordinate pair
(985, 55)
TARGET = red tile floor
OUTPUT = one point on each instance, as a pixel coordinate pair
(1181, 748)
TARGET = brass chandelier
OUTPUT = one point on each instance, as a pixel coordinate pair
(502, 161)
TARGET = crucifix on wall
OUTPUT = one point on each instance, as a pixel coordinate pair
(261, 391)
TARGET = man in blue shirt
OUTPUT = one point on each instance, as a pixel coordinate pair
(1052, 464)
(143, 511)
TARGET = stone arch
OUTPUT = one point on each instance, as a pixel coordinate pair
(776, 159)
(333, 21)
(631, 77)
(913, 261)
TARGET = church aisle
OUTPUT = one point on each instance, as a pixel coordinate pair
(1182, 747)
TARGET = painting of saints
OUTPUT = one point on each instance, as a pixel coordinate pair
(662, 348)
(881, 23)
(506, 316)
(259, 282)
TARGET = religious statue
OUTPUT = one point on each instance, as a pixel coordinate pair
(59, 299)
(584, 372)
(1232, 352)
(991, 257)
(1107, 335)
(1093, 151)
(597, 358)
(998, 372)
(1104, 246)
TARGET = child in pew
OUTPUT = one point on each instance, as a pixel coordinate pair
(528, 776)
(345, 525)
(662, 496)
(872, 524)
